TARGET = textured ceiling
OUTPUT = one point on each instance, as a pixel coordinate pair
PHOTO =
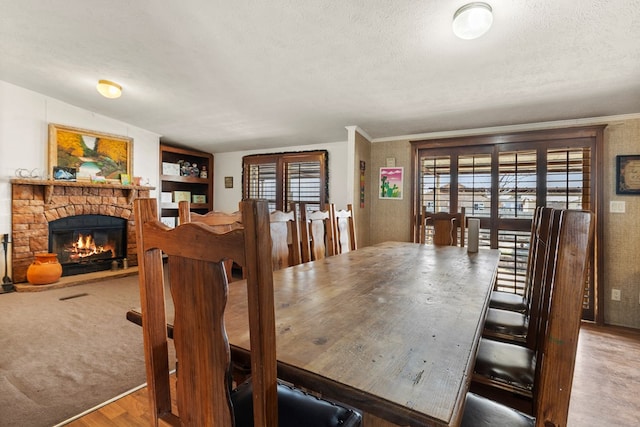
(242, 74)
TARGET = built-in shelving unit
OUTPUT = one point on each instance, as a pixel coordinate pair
(172, 180)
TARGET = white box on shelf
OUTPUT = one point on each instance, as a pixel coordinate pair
(166, 197)
(169, 221)
(170, 169)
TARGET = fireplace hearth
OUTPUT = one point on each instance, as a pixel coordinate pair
(88, 243)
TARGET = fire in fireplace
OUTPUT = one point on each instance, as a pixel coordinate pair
(87, 243)
(85, 248)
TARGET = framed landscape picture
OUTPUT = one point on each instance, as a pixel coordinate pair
(391, 182)
(61, 173)
(90, 153)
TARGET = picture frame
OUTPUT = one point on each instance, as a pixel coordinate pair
(628, 174)
(61, 173)
(228, 182)
(91, 153)
(391, 183)
(125, 179)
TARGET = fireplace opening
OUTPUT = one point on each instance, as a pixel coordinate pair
(88, 243)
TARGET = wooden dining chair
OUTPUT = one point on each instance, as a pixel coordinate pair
(344, 229)
(199, 289)
(284, 237)
(517, 326)
(556, 358)
(219, 221)
(448, 229)
(515, 301)
(317, 234)
(511, 366)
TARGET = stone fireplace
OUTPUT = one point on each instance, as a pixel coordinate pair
(65, 210)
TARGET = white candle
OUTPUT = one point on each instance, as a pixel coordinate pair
(474, 234)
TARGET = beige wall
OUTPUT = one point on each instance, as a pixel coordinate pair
(390, 219)
(362, 213)
(621, 230)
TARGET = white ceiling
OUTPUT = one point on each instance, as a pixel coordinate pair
(242, 74)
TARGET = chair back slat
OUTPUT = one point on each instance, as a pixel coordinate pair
(317, 234)
(555, 363)
(285, 240)
(344, 229)
(541, 254)
(535, 224)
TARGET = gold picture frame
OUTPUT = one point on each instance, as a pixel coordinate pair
(91, 153)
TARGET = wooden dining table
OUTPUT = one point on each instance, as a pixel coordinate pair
(390, 329)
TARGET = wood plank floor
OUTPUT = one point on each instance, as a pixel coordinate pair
(605, 390)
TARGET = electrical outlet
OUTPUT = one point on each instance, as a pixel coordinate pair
(615, 294)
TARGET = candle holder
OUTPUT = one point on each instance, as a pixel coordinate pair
(7, 283)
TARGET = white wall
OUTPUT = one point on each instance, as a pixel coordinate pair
(230, 164)
(24, 119)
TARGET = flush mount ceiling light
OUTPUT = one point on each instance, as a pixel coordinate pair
(109, 89)
(472, 20)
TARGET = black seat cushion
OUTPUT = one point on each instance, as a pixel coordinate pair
(295, 409)
(508, 301)
(482, 412)
(506, 322)
(510, 364)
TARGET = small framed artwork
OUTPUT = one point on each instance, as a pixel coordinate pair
(199, 198)
(391, 183)
(125, 179)
(228, 182)
(90, 153)
(363, 167)
(628, 174)
(180, 196)
(60, 173)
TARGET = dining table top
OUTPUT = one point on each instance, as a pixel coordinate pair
(391, 329)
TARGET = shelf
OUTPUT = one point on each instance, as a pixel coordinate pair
(194, 206)
(186, 179)
(50, 184)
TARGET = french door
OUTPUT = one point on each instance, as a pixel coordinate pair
(501, 179)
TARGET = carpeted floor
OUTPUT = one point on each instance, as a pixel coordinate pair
(63, 351)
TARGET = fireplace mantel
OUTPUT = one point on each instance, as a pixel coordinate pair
(50, 184)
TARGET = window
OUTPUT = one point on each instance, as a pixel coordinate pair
(300, 177)
(501, 179)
